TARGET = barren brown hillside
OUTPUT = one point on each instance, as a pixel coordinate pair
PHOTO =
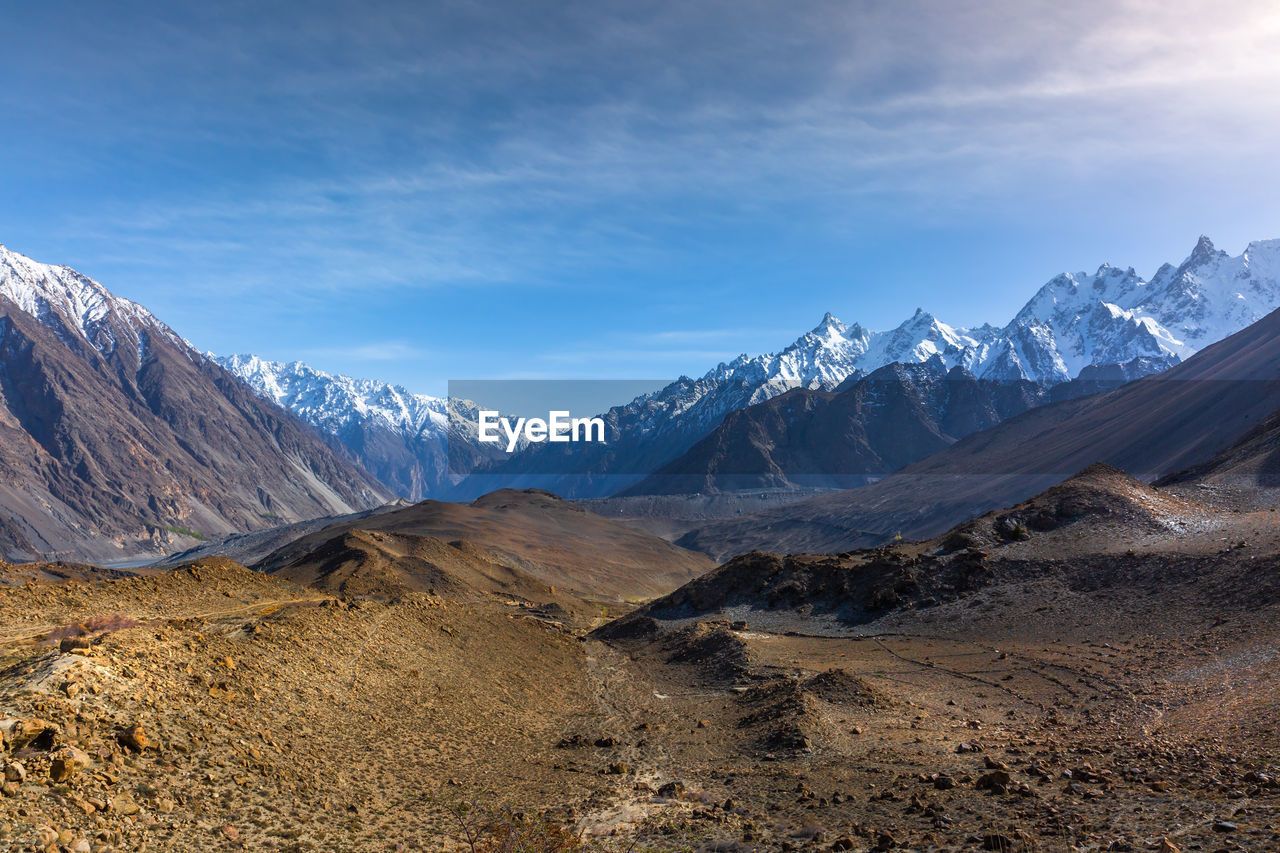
(1089, 670)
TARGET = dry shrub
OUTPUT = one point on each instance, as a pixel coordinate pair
(506, 831)
(92, 625)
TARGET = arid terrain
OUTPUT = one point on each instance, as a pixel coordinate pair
(1090, 670)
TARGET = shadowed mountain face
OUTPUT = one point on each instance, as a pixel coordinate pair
(871, 427)
(535, 536)
(1248, 470)
(1147, 428)
(119, 439)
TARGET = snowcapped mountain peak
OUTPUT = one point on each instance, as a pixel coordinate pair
(331, 402)
(830, 323)
(829, 334)
(1211, 294)
(1203, 252)
(1075, 320)
(74, 305)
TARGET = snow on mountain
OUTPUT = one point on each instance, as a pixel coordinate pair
(1212, 295)
(75, 306)
(402, 438)
(121, 438)
(331, 402)
(1109, 322)
(1075, 321)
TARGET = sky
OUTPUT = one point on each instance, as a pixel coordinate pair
(425, 192)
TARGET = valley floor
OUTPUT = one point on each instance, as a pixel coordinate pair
(273, 717)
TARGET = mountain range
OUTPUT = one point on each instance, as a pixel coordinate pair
(120, 438)
(1109, 326)
(1156, 426)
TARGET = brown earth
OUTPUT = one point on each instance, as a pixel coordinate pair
(1092, 669)
(547, 539)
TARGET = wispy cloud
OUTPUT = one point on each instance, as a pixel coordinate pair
(239, 154)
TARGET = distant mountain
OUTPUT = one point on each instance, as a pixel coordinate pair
(402, 438)
(873, 426)
(397, 435)
(119, 438)
(1218, 398)
(1109, 326)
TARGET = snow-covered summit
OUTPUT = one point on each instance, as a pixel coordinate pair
(331, 402)
(1075, 321)
(74, 305)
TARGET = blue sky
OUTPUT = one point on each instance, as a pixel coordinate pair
(420, 192)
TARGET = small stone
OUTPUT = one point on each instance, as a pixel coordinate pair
(123, 804)
(1167, 846)
(672, 790)
(1224, 826)
(67, 762)
(844, 842)
(47, 836)
(943, 782)
(702, 724)
(135, 738)
(15, 771)
(996, 780)
(81, 846)
(229, 831)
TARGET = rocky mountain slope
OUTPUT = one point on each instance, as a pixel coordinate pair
(1246, 473)
(398, 436)
(120, 439)
(1148, 428)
